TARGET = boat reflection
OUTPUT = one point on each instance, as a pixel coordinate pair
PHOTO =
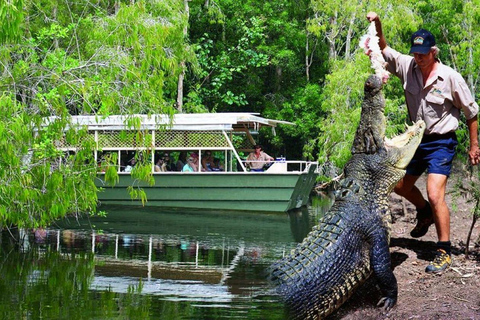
(208, 256)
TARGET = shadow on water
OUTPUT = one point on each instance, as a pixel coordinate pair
(142, 263)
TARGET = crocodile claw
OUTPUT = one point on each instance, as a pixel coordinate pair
(386, 303)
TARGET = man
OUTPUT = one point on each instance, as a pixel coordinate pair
(256, 160)
(434, 93)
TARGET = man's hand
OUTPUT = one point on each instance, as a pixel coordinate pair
(474, 155)
(474, 152)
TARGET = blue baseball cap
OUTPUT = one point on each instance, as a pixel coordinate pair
(422, 42)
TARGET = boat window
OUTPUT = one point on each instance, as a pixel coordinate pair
(106, 159)
(164, 161)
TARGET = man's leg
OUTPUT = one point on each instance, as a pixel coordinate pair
(427, 214)
(407, 189)
(436, 186)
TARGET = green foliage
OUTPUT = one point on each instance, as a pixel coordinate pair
(137, 193)
(40, 184)
(304, 111)
(11, 18)
(92, 62)
(343, 95)
(77, 57)
(109, 166)
(222, 69)
(139, 54)
(288, 60)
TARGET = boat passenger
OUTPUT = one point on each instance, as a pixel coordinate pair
(192, 163)
(160, 166)
(182, 160)
(208, 163)
(217, 165)
(258, 159)
(169, 165)
(130, 165)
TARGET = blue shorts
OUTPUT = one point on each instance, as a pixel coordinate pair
(434, 154)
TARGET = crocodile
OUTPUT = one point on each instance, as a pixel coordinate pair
(351, 241)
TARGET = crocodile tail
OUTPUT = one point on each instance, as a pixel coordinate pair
(322, 272)
(320, 275)
(313, 298)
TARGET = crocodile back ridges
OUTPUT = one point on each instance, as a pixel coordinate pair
(323, 271)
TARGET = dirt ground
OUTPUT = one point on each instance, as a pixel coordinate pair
(453, 295)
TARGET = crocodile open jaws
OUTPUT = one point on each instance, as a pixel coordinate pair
(352, 239)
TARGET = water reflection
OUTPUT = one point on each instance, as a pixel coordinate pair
(139, 263)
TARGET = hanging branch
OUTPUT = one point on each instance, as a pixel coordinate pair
(475, 194)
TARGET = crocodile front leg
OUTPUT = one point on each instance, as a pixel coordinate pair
(382, 269)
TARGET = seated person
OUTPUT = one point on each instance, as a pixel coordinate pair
(130, 165)
(217, 165)
(256, 160)
(160, 166)
(208, 163)
(192, 163)
(164, 164)
(169, 165)
(182, 160)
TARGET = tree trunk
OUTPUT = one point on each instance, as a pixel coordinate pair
(349, 36)
(54, 18)
(181, 76)
(332, 52)
(307, 60)
(278, 76)
(470, 80)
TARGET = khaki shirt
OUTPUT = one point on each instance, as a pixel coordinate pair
(258, 163)
(439, 102)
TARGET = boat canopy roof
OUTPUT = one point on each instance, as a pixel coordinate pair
(184, 122)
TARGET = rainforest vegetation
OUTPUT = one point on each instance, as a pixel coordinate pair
(297, 61)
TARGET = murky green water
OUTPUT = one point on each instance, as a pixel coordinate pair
(146, 263)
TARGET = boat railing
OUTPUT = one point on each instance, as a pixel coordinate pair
(280, 165)
(277, 166)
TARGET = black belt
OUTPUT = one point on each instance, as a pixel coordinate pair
(439, 136)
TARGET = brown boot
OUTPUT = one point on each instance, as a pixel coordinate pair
(424, 221)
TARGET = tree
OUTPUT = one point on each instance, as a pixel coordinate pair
(78, 57)
(11, 18)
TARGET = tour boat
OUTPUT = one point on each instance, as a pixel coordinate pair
(286, 184)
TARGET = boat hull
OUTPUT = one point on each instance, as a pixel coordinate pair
(245, 191)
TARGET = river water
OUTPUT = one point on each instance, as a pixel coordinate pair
(150, 263)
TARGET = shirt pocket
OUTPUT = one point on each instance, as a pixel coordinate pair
(435, 106)
(412, 89)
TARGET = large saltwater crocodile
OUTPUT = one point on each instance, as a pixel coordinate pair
(352, 240)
